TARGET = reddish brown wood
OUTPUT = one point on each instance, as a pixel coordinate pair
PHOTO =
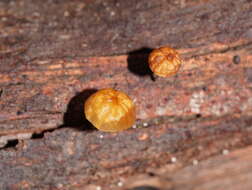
(225, 171)
(54, 54)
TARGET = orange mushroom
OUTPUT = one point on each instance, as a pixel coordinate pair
(164, 61)
(110, 110)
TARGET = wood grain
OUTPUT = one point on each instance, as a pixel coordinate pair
(55, 54)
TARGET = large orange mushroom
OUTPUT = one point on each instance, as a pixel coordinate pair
(110, 110)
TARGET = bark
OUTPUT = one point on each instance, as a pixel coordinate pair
(54, 54)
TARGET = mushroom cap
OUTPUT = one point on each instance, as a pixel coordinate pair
(164, 61)
(110, 110)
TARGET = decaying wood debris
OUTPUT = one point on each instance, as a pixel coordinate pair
(193, 129)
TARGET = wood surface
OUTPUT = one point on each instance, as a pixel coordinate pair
(54, 54)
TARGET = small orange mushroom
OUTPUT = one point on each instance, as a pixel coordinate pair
(110, 110)
(164, 61)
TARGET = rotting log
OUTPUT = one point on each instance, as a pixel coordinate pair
(226, 171)
(208, 84)
(51, 60)
(71, 159)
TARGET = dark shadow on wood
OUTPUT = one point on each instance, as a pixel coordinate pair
(10, 144)
(138, 62)
(74, 116)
